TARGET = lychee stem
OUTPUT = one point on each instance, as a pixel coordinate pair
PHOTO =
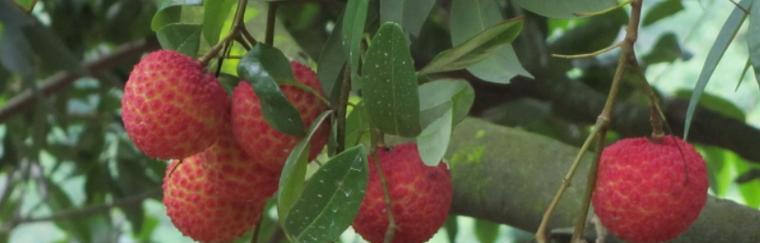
(627, 57)
(271, 19)
(377, 139)
(237, 25)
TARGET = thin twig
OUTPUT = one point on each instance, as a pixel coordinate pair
(588, 55)
(234, 31)
(271, 19)
(627, 57)
(89, 210)
(379, 143)
(600, 130)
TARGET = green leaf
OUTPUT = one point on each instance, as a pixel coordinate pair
(452, 228)
(438, 96)
(330, 200)
(661, 10)
(294, 172)
(169, 11)
(331, 62)
(214, 14)
(277, 110)
(753, 38)
(723, 40)
(468, 19)
(354, 17)
(357, 125)
(477, 49)
(434, 139)
(184, 38)
(389, 84)
(27, 5)
(486, 231)
(666, 50)
(411, 14)
(565, 8)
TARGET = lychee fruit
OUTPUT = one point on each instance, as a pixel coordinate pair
(262, 142)
(650, 190)
(420, 195)
(232, 174)
(198, 212)
(171, 108)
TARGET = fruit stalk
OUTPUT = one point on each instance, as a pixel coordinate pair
(627, 57)
(600, 130)
(237, 25)
(271, 18)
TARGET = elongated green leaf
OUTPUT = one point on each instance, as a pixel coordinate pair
(389, 84)
(452, 228)
(468, 19)
(214, 14)
(169, 12)
(476, 49)
(330, 200)
(723, 40)
(410, 14)
(565, 8)
(357, 125)
(354, 17)
(753, 39)
(662, 10)
(438, 96)
(331, 62)
(294, 172)
(434, 139)
(184, 38)
(277, 110)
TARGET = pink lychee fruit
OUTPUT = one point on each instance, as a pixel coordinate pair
(258, 139)
(650, 190)
(171, 108)
(420, 195)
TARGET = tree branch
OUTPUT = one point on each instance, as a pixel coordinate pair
(485, 187)
(62, 79)
(84, 211)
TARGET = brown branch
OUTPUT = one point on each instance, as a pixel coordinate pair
(85, 211)
(62, 79)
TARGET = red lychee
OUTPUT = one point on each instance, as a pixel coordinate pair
(421, 197)
(198, 212)
(260, 141)
(232, 174)
(650, 190)
(171, 108)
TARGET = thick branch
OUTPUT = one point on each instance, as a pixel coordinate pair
(61, 80)
(576, 101)
(508, 176)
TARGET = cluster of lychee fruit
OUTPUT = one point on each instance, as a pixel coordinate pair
(226, 159)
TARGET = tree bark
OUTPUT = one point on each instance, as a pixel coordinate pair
(509, 176)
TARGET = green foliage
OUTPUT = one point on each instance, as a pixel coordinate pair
(330, 199)
(722, 41)
(260, 71)
(444, 103)
(565, 8)
(486, 231)
(389, 84)
(184, 38)
(410, 14)
(294, 172)
(661, 10)
(214, 15)
(470, 19)
(354, 17)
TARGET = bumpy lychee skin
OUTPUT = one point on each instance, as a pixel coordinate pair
(650, 191)
(198, 212)
(171, 108)
(421, 197)
(265, 144)
(232, 174)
